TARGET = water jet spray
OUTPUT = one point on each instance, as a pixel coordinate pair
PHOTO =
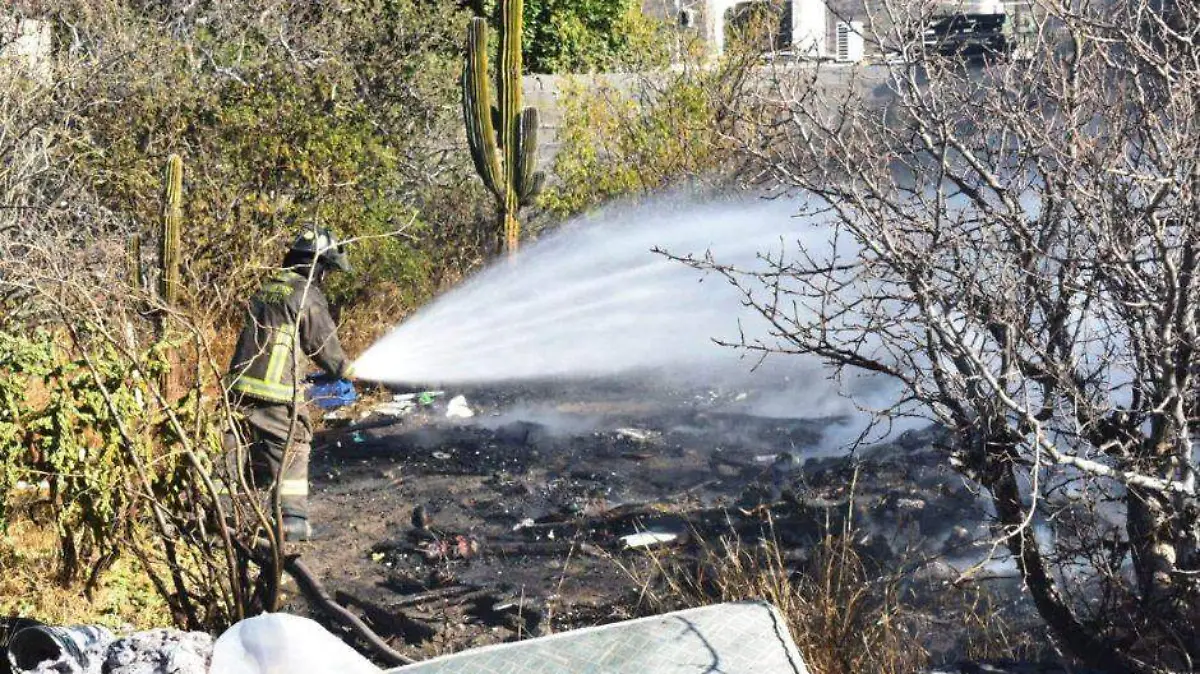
(594, 299)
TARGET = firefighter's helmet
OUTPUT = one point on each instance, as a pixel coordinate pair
(321, 244)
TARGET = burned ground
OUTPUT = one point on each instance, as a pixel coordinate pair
(450, 533)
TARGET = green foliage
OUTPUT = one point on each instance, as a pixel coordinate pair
(88, 421)
(575, 36)
(758, 26)
(382, 260)
(82, 425)
(346, 124)
(615, 142)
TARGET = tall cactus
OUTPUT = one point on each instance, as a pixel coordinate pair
(169, 254)
(503, 139)
(172, 223)
(137, 275)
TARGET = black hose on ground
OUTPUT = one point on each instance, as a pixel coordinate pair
(316, 592)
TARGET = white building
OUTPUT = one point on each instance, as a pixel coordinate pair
(809, 21)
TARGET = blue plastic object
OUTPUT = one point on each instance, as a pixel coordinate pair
(330, 394)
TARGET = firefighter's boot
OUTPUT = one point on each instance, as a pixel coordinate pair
(296, 529)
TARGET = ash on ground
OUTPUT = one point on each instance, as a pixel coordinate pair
(161, 651)
(536, 513)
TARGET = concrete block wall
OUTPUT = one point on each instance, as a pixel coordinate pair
(545, 93)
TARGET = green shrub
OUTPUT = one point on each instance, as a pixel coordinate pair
(668, 129)
(56, 424)
(348, 126)
(89, 427)
(574, 36)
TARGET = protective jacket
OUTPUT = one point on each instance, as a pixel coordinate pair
(287, 311)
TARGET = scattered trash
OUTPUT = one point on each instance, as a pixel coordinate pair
(34, 648)
(357, 437)
(330, 394)
(403, 404)
(636, 434)
(647, 539)
(459, 547)
(160, 651)
(441, 456)
(524, 524)
(457, 409)
(395, 409)
(278, 642)
(426, 398)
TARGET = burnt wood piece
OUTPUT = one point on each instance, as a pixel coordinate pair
(398, 623)
(316, 592)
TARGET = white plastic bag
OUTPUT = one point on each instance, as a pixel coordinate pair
(278, 643)
(458, 409)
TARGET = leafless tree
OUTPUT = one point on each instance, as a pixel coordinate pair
(1016, 242)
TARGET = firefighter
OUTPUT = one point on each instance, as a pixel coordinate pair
(287, 324)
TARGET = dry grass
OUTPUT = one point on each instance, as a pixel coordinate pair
(843, 621)
(30, 586)
(844, 618)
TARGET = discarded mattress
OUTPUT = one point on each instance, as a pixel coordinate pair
(738, 638)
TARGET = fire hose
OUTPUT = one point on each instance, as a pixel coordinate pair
(316, 592)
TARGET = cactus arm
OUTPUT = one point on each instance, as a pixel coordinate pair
(519, 140)
(172, 222)
(533, 189)
(528, 179)
(478, 110)
(508, 84)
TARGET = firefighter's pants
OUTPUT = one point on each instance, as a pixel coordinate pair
(260, 444)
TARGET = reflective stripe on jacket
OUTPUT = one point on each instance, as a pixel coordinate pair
(281, 314)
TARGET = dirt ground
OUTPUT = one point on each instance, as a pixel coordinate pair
(445, 534)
